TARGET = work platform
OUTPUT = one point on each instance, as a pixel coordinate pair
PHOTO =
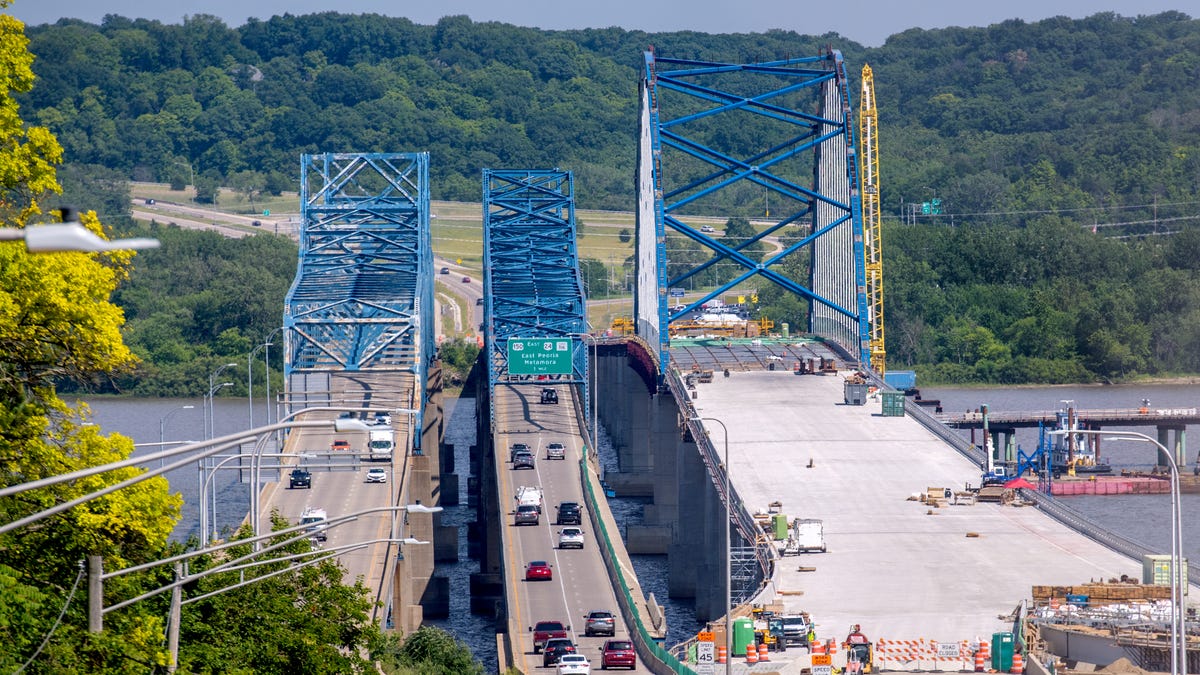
(902, 569)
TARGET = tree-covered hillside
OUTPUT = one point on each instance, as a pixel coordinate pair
(1043, 142)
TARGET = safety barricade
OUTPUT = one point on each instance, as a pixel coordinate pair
(1018, 663)
(764, 656)
(751, 654)
(923, 654)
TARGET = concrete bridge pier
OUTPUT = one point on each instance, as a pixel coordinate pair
(487, 585)
(1178, 446)
(696, 560)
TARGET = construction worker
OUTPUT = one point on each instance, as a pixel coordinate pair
(811, 638)
(856, 636)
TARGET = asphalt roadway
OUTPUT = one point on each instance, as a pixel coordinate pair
(901, 569)
(580, 582)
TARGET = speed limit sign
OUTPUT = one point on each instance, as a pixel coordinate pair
(704, 653)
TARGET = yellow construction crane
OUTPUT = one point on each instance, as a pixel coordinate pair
(868, 125)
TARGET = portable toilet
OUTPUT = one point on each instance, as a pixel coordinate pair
(779, 524)
(743, 636)
(1002, 652)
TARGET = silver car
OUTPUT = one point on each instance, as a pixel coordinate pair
(556, 451)
(376, 475)
(570, 537)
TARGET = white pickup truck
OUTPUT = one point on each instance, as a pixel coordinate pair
(530, 495)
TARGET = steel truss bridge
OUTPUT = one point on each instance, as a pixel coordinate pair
(362, 299)
(532, 286)
(720, 137)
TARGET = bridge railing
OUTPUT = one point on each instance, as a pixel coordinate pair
(653, 654)
(1045, 503)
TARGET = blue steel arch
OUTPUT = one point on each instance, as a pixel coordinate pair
(532, 285)
(362, 299)
(805, 160)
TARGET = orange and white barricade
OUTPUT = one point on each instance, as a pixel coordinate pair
(1018, 664)
(751, 654)
(722, 654)
(763, 655)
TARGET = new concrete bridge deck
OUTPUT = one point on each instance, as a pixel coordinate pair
(897, 567)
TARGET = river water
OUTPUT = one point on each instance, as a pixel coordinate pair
(1143, 518)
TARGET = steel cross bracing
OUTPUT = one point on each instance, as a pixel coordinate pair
(362, 298)
(720, 138)
(531, 266)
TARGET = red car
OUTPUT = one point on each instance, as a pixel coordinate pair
(538, 570)
(466, 280)
(617, 654)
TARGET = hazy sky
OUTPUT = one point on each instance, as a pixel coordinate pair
(868, 22)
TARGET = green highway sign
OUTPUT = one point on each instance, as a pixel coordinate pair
(539, 356)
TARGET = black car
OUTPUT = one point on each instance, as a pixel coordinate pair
(300, 478)
(556, 647)
(569, 513)
(549, 396)
(518, 448)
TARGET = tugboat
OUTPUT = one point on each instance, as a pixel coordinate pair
(1076, 453)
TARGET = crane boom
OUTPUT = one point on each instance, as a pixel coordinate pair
(868, 122)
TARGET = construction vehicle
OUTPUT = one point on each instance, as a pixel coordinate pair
(768, 629)
(860, 653)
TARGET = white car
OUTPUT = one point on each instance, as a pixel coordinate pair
(376, 475)
(573, 664)
(570, 537)
(556, 451)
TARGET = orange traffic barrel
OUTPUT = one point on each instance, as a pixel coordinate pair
(980, 664)
(751, 654)
(722, 654)
(1018, 664)
(763, 656)
(816, 647)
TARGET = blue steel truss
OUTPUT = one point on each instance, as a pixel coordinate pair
(362, 299)
(699, 121)
(531, 267)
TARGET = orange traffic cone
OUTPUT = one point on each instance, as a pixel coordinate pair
(980, 664)
(722, 654)
(751, 654)
(816, 647)
(763, 656)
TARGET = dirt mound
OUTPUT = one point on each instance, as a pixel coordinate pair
(1123, 666)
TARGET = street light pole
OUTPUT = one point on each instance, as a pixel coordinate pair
(162, 428)
(210, 430)
(594, 377)
(728, 548)
(1178, 577)
(266, 344)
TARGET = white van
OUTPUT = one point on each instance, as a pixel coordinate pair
(381, 441)
(529, 495)
(810, 535)
(315, 518)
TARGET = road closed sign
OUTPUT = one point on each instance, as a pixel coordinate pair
(539, 356)
(947, 650)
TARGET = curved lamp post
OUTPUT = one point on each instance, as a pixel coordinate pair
(266, 344)
(201, 449)
(162, 427)
(1178, 578)
(70, 235)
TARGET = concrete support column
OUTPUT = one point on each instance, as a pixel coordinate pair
(664, 456)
